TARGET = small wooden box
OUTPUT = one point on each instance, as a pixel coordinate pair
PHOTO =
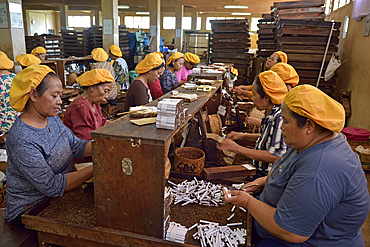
(226, 172)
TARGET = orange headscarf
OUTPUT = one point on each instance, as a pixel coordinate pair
(273, 86)
(310, 102)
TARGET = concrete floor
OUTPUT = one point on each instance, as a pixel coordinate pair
(366, 225)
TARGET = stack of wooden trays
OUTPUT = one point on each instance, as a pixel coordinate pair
(230, 44)
(303, 10)
(52, 44)
(87, 42)
(72, 43)
(96, 36)
(124, 42)
(305, 42)
(266, 35)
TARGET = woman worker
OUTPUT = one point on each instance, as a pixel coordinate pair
(155, 87)
(26, 60)
(39, 52)
(120, 67)
(7, 114)
(268, 93)
(40, 147)
(316, 194)
(290, 77)
(100, 57)
(84, 114)
(149, 70)
(276, 57)
(169, 79)
(191, 61)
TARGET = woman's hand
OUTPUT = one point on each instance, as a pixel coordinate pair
(228, 145)
(253, 121)
(237, 198)
(259, 185)
(234, 136)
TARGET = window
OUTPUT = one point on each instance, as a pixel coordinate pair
(142, 22)
(186, 23)
(254, 23)
(342, 3)
(199, 23)
(327, 7)
(79, 21)
(208, 23)
(169, 22)
(335, 4)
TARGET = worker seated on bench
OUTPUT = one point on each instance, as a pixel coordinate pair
(7, 114)
(191, 62)
(149, 70)
(84, 114)
(268, 93)
(39, 146)
(278, 57)
(39, 52)
(316, 194)
(169, 79)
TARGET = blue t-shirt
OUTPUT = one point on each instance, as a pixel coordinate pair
(320, 192)
(38, 160)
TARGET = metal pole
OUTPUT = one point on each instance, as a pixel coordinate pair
(326, 51)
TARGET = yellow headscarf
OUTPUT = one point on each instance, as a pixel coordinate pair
(38, 50)
(5, 62)
(159, 53)
(99, 55)
(115, 50)
(151, 61)
(312, 103)
(234, 71)
(273, 86)
(287, 73)
(27, 59)
(174, 57)
(191, 58)
(283, 56)
(22, 83)
(94, 77)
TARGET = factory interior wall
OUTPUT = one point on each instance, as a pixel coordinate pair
(40, 22)
(354, 74)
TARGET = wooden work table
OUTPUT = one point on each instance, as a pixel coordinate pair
(129, 180)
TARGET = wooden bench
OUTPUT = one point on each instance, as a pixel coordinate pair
(13, 236)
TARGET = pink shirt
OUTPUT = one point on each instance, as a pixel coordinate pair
(182, 75)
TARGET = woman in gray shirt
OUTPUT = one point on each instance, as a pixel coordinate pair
(40, 147)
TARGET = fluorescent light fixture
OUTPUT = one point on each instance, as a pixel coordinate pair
(236, 7)
(123, 6)
(235, 13)
(143, 13)
(200, 12)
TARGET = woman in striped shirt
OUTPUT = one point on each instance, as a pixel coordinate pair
(268, 94)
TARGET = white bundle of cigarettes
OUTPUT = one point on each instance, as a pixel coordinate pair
(198, 192)
(213, 235)
(176, 233)
(169, 113)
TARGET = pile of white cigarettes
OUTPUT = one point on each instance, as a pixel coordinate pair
(171, 114)
(213, 235)
(176, 233)
(197, 192)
